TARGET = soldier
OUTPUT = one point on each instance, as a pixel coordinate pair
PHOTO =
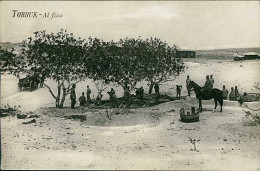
(187, 84)
(236, 93)
(212, 80)
(88, 94)
(82, 100)
(232, 95)
(73, 96)
(112, 97)
(141, 93)
(244, 98)
(156, 88)
(225, 92)
(178, 90)
(207, 86)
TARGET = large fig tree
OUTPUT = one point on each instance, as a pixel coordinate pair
(161, 62)
(57, 57)
(129, 61)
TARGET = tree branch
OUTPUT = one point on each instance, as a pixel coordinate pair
(67, 90)
(50, 91)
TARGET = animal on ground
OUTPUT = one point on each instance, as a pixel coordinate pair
(214, 93)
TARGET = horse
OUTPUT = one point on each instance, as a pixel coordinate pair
(214, 93)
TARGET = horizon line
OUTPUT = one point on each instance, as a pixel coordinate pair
(184, 48)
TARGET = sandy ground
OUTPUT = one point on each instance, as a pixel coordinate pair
(146, 138)
(54, 142)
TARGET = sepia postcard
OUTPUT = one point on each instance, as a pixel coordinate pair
(130, 85)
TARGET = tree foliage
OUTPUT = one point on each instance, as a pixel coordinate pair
(5, 56)
(129, 61)
(160, 62)
(66, 60)
(53, 56)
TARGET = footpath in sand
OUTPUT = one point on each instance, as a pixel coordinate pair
(146, 138)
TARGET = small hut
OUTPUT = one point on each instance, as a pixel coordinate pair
(185, 54)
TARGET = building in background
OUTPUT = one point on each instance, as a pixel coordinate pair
(251, 55)
(247, 56)
(185, 54)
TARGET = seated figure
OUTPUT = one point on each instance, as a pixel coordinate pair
(140, 93)
(82, 100)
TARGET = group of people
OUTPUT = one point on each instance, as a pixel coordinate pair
(83, 101)
(233, 95)
(209, 84)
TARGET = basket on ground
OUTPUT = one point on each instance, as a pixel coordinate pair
(189, 115)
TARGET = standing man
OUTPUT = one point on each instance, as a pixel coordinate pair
(156, 88)
(88, 94)
(232, 96)
(187, 84)
(73, 96)
(113, 97)
(157, 93)
(225, 93)
(141, 93)
(236, 93)
(212, 80)
(178, 90)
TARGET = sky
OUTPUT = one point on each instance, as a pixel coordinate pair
(188, 24)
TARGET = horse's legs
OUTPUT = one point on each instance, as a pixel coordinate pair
(216, 104)
(200, 106)
(220, 103)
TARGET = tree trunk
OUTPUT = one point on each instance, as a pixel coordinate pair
(151, 87)
(127, 97)
(63, 98)
(57, 102)
(62, 101)
(58, 96)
